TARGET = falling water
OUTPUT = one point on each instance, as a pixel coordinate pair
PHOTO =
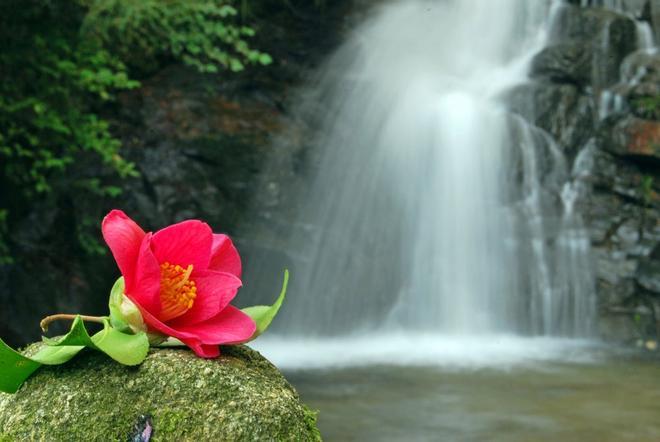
(610, 100)
(433, 209)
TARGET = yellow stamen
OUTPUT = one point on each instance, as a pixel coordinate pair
(177, 290)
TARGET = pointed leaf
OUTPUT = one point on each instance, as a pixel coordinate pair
(122, 347)
(15, 368)
(263, 315)
(54, 355)
(127, 349)
(77, 336)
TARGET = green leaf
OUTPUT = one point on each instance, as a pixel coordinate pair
(54, 355)
(122, 347)
(263, 315)
(127, 349)
(77, 336)
(265, 59)
(117, 319)
(124, 315)
(15, 368)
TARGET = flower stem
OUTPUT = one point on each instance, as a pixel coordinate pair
(66, 317)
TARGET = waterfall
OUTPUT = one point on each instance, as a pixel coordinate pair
(609, 99)
(430, 208)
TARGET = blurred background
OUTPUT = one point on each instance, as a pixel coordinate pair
(164, 109)
(465, 192)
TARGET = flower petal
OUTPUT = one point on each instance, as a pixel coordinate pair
(224, 256)
(188, 242)
(215, 290)
(124, 238)
(231, 326)
(202, 350)
(155, 324)
(145, 288)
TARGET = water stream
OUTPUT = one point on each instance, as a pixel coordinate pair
(432, 208)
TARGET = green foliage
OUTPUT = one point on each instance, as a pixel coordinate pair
(52, 81)
(204, 34)
(646, 189)
(63, 64)
(647, 107)
(127, 349)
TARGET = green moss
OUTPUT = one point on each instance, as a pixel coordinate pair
(239, 396)
(311, 418)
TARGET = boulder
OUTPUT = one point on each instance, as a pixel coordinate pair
(173, 393)
(648, 273)
(632, 137)
(564, 63)
(559, 109)
(641, 75)
(608, 35)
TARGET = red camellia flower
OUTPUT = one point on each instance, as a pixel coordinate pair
(182, 279)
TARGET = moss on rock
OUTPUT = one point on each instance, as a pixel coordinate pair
(239, 396)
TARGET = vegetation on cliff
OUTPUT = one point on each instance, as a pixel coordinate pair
(63, 65)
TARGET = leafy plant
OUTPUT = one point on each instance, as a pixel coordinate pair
(647, 107)
(63, 64)
(204, 34)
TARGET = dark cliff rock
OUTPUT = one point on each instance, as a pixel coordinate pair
(596, 39)
(648, 273)
(559, 109)
(592, 83)
(564, 63)
(632, 137)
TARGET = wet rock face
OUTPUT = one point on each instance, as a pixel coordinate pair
(587, 46)
(592, 83)
(558, 108)
(564, 63)
(173, 395)
(632, 137)
(648, 273)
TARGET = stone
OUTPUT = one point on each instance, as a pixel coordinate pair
(559, 109)
(610, 37)
(633, 137)
(641, 79)
(238, 396)
(564, 63)
(654, 16)
(648, 274)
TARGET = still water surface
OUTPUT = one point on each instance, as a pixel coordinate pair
(610, 396)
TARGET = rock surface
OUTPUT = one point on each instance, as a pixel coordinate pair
(239, 396)
(594, 86)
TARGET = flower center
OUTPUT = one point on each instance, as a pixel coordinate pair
(177, 290)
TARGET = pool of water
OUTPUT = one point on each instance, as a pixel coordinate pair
(583, 393)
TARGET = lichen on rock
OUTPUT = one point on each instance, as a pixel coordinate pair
(239, 396)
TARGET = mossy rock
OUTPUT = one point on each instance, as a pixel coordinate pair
(238, 396)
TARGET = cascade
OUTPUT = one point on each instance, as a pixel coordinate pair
(431, 208)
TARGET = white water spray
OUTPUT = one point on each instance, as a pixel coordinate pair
(434, 209)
